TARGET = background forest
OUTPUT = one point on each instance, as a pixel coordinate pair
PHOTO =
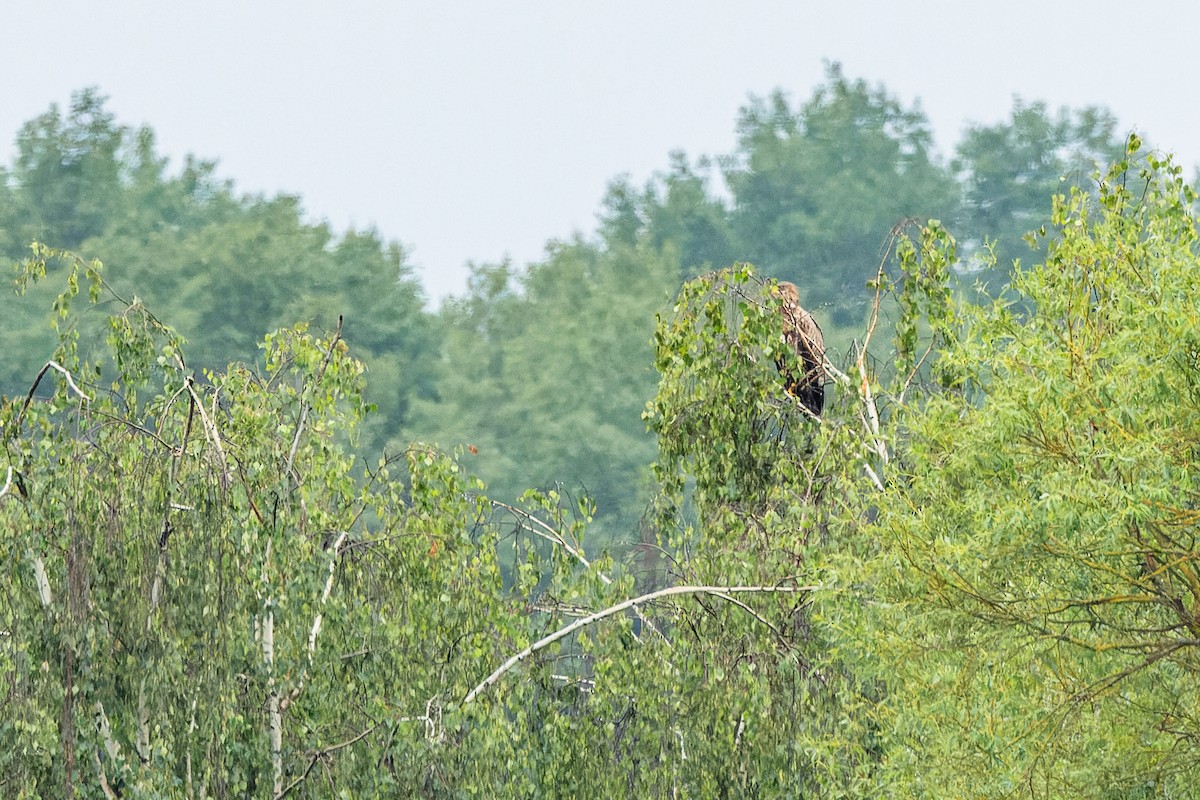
(546, 368)
(273, 526)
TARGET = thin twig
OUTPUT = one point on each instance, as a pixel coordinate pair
(99, 412)
(731, 599)
(36, 382)
(317, 755)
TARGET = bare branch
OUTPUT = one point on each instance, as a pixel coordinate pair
(336, 550)
(870, 404)
(70, 380)
(43, 582)
(104, 787)
(37, 382)
(561, 633)
(210, 430)
(317, 755)
(551, 535)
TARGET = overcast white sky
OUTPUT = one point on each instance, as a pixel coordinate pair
(475, 130)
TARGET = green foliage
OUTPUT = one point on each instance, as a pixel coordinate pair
(999, 525)
(203, 598)
(720, 414)
(753, 490)
(675, 210)
(541, 372)
(972, 575)
(219, 605)
(1039, 539)
(70, 170)
(1010, 170)
(814, 192)
(225, 269)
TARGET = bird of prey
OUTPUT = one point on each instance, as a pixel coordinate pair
(803, 335)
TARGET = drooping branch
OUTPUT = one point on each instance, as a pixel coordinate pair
(539, 528)
(169, 505)
(561, 633)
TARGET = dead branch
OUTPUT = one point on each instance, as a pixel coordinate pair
(561, 633)
(551, 535)
(37, 382)
(317, 755)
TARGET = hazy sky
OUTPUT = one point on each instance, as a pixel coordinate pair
(475, 130)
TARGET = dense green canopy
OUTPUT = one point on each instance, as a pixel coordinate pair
(226, 573)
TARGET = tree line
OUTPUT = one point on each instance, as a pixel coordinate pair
(544, 369)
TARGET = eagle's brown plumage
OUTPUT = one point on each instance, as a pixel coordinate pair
(802, 334)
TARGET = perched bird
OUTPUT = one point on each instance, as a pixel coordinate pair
(802, 334)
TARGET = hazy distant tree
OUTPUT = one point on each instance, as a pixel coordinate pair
(9, 215)
(1010, 170)
(65, 185)
(677, 208)
(471, 401)
(683, 211)
(69, 169)
(622, 217)
(546, 372)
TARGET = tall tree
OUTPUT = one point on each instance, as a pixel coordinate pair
(682, 210)
(1039, 541)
